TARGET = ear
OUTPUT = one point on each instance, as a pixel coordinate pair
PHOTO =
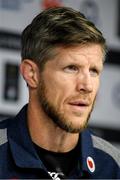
(30, 73)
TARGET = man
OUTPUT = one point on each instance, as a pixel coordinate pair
(62, 60)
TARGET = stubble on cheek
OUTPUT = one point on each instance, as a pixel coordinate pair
(58, 114)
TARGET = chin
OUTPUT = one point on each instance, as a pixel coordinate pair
(74, 126)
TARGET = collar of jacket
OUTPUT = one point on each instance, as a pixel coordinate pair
(23, 151)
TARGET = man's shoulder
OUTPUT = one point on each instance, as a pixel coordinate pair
(106, 147)
(4, 123)
(7, 122)
(3, 131)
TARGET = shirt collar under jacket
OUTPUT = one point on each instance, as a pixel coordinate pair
(23, 151)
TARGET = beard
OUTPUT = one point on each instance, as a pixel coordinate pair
(55, 115)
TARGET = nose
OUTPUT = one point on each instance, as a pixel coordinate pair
(84, 83)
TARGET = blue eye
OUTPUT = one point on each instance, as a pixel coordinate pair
(94, 72)
(71, 69)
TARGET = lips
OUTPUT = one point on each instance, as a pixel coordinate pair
(79, 106)
(79, 103)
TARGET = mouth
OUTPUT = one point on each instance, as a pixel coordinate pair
(79, 105)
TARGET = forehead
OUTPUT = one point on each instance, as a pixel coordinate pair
(91, 53)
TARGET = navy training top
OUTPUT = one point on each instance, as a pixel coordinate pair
(19, 160)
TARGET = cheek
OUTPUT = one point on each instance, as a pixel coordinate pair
(54, 87)
(96, 88)
(59, 86)
(58, 90)
(97, 85)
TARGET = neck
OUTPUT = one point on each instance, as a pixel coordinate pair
(46, 134)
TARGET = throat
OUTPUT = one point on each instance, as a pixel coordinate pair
(56, 143)
(46, 134)
(62, 163)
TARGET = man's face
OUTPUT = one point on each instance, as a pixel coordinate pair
(69, 84)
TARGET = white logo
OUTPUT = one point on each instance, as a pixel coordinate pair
(55, 175)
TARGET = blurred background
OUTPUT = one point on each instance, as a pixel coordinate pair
(16, 14)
